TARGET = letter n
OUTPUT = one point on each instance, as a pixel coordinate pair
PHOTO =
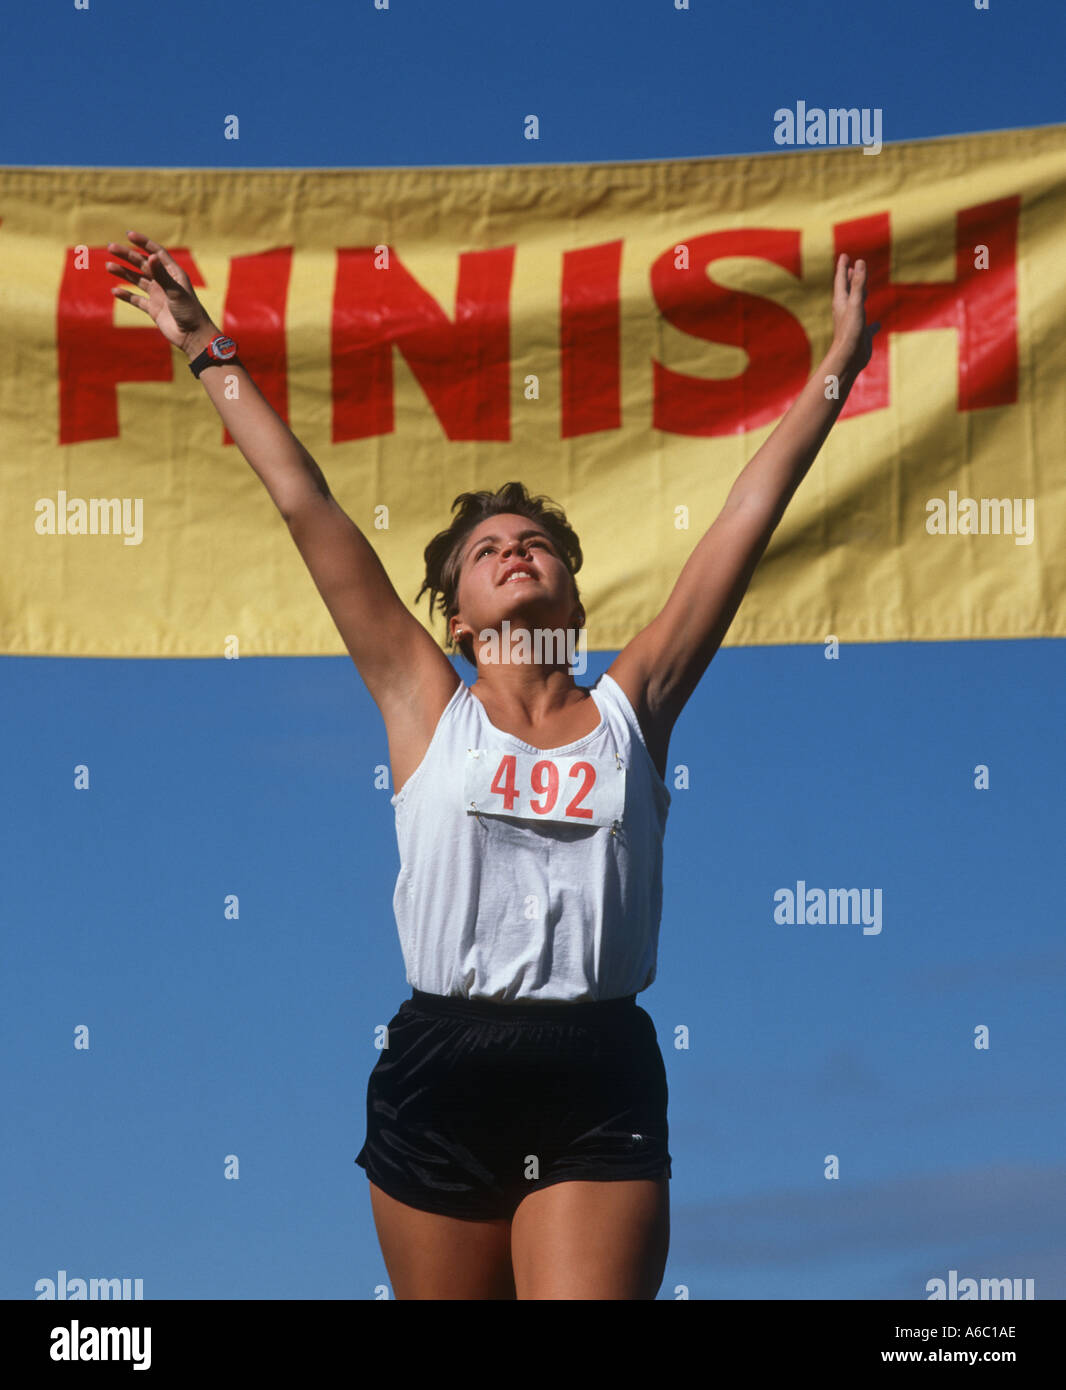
(464, 367)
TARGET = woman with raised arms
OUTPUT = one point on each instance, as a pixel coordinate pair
(516, 1127)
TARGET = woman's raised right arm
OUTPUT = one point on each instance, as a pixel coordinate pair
(397, 658)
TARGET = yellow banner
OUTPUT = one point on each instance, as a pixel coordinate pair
(621, 337)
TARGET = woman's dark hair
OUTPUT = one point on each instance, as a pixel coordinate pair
(443, 552)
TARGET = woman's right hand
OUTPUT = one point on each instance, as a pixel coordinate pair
(171, 301)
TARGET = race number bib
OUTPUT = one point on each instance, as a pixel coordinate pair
(578, 791)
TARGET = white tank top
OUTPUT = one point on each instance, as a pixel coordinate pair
(529, 873)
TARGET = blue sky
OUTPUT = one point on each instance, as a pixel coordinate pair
(255, 1037)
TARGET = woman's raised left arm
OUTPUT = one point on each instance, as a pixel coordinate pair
(662, 665)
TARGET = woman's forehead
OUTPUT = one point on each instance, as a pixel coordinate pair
(508, 527)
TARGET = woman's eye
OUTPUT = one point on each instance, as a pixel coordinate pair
(535, 541)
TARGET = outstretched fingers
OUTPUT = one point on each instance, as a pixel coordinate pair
(160, 254)
(136, 276)
(152, 247)
(152, 264)
(842, 285)
(131, 298)
(134, 257)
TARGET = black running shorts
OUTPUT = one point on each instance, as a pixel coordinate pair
(473, 1105)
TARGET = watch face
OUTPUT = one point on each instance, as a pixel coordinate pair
(223, 349)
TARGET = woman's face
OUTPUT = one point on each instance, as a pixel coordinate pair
(544, 598)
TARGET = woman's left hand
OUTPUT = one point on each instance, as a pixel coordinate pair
(852, 339)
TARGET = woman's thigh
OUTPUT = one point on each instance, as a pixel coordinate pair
(442, 1257)
(592, 1240)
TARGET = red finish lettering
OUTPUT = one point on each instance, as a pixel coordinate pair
(779, 352)
(94, 354)
(463, 367)
(981, 305)
(255, 316)
(590, 340)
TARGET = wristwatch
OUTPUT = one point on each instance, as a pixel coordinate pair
(219, 351)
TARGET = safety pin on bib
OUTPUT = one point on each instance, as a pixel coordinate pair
(473, 805)
(618, 766)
